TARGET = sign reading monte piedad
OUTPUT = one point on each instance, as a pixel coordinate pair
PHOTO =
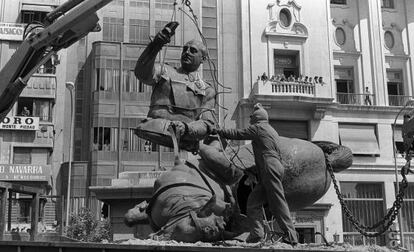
(24, 172)
(20, 123)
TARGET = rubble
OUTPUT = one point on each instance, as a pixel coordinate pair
(263, 246)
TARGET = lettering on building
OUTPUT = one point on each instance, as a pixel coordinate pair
(20, 123)
(11, 31)
(23, 172)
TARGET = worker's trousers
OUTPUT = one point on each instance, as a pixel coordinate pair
(270, 190)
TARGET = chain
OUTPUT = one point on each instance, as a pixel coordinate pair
(388, 219)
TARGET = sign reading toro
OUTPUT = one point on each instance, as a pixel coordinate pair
(20, 123)
(23, 172)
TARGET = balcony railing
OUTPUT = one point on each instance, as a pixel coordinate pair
(398, 100)
(284, 88)
(355, 99)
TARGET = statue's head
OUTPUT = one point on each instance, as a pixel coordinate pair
(193, 54)
(194, 228)
(259, 114)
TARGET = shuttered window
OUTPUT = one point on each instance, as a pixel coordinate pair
(360, 138)
(366, 202)
(407, 214)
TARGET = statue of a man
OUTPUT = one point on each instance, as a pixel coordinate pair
(179, 95)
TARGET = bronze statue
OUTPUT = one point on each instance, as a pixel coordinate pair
(194, 201)
(180, 97)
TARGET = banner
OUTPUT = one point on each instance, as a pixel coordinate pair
(24, 172)
(11, 31)
(20, 123)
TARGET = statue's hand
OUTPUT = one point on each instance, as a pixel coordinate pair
(164, 36)
(251, 179)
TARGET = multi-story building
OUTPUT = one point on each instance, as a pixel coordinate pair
(31, 138)
(363, 52)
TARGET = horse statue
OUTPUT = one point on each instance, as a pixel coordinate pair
(194, 201)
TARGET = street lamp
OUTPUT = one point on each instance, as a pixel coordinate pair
(70, 86)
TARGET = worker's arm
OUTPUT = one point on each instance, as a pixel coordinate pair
(248, 133)
(145, 69)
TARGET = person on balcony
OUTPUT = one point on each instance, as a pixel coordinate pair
(25, 112)
(367, 100)
(264, 77)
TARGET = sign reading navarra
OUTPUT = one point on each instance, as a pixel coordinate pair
(20, 123)
(24, 172)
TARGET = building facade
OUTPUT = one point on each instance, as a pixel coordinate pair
(31, 136)
(352, 68)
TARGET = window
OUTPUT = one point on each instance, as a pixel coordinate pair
(344, 78)
(164, 4)
(28, 17)
(130, 83)
(139, 3)
(395, 88)
(407, 212)
(42, 108)
(113, 29)
(105, 139)
(398, 139)
(107, 78)
(22, 155)
(131, 142)
(285, 17)
(338, 2)
(366, 202)
(139, 31)
(360, 138)
(24, 211)
(387, 4)
(389, 40)
(340, 36)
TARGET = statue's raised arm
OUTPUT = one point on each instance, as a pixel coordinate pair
(180, 97)
(145, 69)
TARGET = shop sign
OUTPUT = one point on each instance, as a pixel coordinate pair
(23, 172)
(11, 31)
(20, 123)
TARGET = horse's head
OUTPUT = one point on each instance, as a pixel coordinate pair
(136, 214)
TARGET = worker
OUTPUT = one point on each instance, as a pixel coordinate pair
(265, 141)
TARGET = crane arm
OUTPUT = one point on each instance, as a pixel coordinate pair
(64, 26)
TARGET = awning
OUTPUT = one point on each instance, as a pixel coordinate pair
(361, 139)
(37, 7)
(398, 133)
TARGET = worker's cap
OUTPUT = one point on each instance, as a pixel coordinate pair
(259, 114)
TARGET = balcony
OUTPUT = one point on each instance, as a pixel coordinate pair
(398, 100)
(362, 99)
(355, 99)
(41, 86)
(283, 88)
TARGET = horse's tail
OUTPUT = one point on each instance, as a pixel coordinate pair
(339, 156)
